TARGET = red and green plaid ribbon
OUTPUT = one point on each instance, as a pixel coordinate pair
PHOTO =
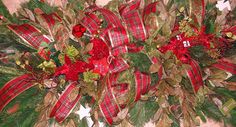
(151, 8)
(118, 36)
(119, 50)
(65, 105)
(226, 65)
(133, 20)
(195, 75)
(118, 65)
(15, 87)
(32, 36)
(109, 106)
(142, 84)
(91, 22)
(109, 16)
(51, 19)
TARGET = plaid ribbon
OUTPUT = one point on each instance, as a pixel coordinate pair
(118, 36)
(231, 29)
(110, 17)
(195, 75)
(119, 89)
(142, 83)
(119, 50)
(133, 20)
(226, 65)
(51, 19)
(109, 106)
(15, 87)
(133, 5)
(64, 104)
(29, 34)
(118, 65)
(104, 35)
(91, 22)
(150, 8)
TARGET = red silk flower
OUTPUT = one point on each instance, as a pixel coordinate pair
(78, 30)
(71, 70)
(100, 50)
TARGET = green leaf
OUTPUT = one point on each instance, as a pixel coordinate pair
(154, 79)
(232, 78)
(140, 61)
(210, 27)
(232, 119)
(200, 114)
(142, 112)
(211, 110)
(83, 123)
(32, 4)
(226, 93)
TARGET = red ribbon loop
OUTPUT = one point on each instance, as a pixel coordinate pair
(226, 65)
(195, 75)
(91, 22)
(142, 83)
(133, 20)
(64, 104)
(15, 87)
(29, 34)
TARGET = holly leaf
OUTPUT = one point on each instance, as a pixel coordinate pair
(142, 112)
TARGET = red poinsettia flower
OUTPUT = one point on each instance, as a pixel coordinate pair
(100, 49)
(71, 70)
(78, 30)
(101, 66)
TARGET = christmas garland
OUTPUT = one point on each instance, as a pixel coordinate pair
(128, 63)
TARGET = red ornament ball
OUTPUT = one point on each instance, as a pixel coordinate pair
(78, 30)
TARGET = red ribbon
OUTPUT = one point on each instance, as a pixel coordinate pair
(195, 75)
(51, 19)
(64, 105)
(91, 22)
(142, 83)
(133, 20)
(109, 106)
(226, 65)
(15, 87)
(29, 34)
